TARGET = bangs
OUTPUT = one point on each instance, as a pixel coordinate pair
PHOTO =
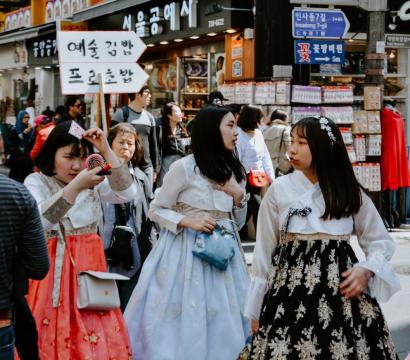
(300, 130)
(79, 149)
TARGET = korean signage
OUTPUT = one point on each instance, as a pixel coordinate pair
(113, 54)
(319, 23)
(42, 50)
(319, 52)
(166, 20)
(150, 23)
(397, 41)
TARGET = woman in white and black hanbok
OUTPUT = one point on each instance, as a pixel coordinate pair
(310, 298)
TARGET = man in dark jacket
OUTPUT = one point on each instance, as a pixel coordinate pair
(23, 255)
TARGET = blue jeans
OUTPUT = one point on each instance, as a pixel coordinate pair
(7, 343)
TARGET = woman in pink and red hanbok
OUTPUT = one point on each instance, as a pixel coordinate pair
(69, 198)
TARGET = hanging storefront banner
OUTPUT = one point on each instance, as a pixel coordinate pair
(113, 54)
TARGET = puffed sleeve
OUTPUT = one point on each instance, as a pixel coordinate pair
(267, 236)
(378, 247)
(119, 187)
(166, 196)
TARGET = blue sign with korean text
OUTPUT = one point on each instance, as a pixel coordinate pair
(319, 52)
(319, 23)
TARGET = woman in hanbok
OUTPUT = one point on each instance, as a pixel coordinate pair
(310, 297)
(69, 198)
(184, 307)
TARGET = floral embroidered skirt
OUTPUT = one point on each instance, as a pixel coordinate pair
(65, 332)
(304, 316)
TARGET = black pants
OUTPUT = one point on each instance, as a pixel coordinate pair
(253, 207)
(25, 330)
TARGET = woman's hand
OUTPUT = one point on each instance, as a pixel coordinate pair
(85, 179)
(200, 223)
(99, 140)
(255, 326)
(232, 188)
(356, 279)
(27, 129)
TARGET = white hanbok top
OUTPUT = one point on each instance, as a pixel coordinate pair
(296, 191)
(86, 209)
(184, 183)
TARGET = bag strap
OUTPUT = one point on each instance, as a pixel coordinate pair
(281, 140)
(125, 113)
(62, 230)
(120, 214)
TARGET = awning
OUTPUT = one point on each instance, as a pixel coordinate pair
(24, 34)
(107, 7)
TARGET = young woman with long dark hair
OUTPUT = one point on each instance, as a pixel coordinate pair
(175, 138)
(184, 307)
(310, 297)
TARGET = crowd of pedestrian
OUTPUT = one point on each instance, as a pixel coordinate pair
(175, 254)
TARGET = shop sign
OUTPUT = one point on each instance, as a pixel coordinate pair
(319, 52)
(149, 23)
(397, 41)
(17, 19)
(237, 68)
(319, 23)
(44, 48)
(85, 54)
(237, 47)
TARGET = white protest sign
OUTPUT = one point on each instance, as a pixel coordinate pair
(81, 78)
(113, 54)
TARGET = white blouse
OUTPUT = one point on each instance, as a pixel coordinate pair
(184, 183)
(253, 153)
(87, 207)
(296, 191)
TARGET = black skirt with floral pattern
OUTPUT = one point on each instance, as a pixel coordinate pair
(304, 316)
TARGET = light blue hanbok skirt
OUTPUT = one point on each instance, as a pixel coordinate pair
(185, 309)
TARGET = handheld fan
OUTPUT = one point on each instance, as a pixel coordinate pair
(95, 160)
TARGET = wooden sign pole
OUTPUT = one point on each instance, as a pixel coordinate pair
(102, 105)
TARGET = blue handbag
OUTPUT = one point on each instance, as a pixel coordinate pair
(216, 248)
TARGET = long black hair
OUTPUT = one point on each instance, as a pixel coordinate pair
(58, 138)
(340, 188)
(166, 112)
(213, 160)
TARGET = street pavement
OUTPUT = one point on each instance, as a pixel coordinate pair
(397, 309)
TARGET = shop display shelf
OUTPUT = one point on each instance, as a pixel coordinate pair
(197, 77)
(190, 109)
(195, 60)
(195, 93)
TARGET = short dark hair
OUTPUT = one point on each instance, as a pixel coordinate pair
(340, 188)
(131, 96)
(58, 138)
(213, 160)
(279, 114)
(250, 117)
(125, 128)
(234, 108)
(71, 100)
(60, 109)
